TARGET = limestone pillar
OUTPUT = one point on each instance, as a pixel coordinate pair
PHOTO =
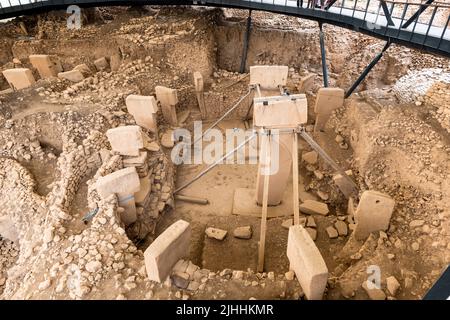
(168, 99)
(199, 91)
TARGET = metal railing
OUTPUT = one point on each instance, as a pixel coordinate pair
(424, 23)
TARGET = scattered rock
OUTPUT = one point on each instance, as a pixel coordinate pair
(392, 285)
(332, 232)
(243, 232)
(215, 233)
(314, 207)
(341, 228)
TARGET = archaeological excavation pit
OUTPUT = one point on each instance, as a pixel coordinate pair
(208, 153)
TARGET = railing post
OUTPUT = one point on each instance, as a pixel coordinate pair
(323, 54)
(367, 70)
(246, 41)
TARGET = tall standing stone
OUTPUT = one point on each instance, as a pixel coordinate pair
(327, 100)
(19, 78)
(46, 65)
(143, 109)
(168, 98)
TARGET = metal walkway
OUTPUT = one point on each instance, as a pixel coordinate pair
(423, 25)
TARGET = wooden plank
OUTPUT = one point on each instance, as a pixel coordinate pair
(262, 239)
(295, 179)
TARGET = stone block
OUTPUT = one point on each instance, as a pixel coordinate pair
(126, 140)
(168, 99)
(84, 69)
(46, 65)
(19, 78)
(314, 207)
(123, 182)
(307, 263)
(269, 77)
(7, 229)
(198, 81)
(373, 213)
(169, 247)
(145, 188)
(73, 75)
(344, 185)
(280, 111)
(327, 100)
(306, 83)
(127, 202)
(143, 109)
(101, 64)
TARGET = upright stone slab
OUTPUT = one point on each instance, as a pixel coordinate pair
(126, 140)
(306, 83)
(7, 229)
(373, 213)
(327, 100)
(278, 112)
(307, 262)
(169, 247)
(269, 77)
(199, 91)
(143, 109)
(19, 78)
(46, 65)
(101, 64)
(123, 182)
(168, 99)
(128, 203)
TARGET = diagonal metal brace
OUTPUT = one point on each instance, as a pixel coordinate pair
(417, 14)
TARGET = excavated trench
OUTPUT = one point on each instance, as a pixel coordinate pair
(219, 61)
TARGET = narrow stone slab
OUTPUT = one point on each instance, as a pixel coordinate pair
(269, 77)
(143, 109)
(327, 100)
(124, 182)
(168, 98)
(344, 185)
(307, 262)
(306, 83)
(126, 140)
(373, 213)
(127, 202)
(46, 65)
(19, 78)
(73, 75)
(314, 207)
(198, 81)
(280, 111)
(169, 247)
(145, 188)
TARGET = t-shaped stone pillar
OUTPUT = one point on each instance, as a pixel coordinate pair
(168, 99)
(124, 183)
(126, 140)
(143, 109)
(280, 112)
(327, 100)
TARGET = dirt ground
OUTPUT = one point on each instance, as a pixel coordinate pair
(52, 144)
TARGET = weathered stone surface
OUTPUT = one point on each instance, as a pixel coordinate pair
(168, 98)
(327, 100)
(306, 83)
(266, 111)
(19, 78)
(7, 229)
(287, 223)
(344, 185)
(143, 109)
(373, 293)
(101, 64)
(312, 233)
(216, 233)
(373, 213)
(123, 182)
(314, 207)
(166, 250)
(72, 75)
(269, 77)
(307, 263)
(341, 228)
(332, 232)
(310, 157)
(46, 65)
(392, 285)
(243, 232)
(126, 140)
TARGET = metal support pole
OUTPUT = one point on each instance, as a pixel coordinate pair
(246, 41)
(324, 58)
(367, 70)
